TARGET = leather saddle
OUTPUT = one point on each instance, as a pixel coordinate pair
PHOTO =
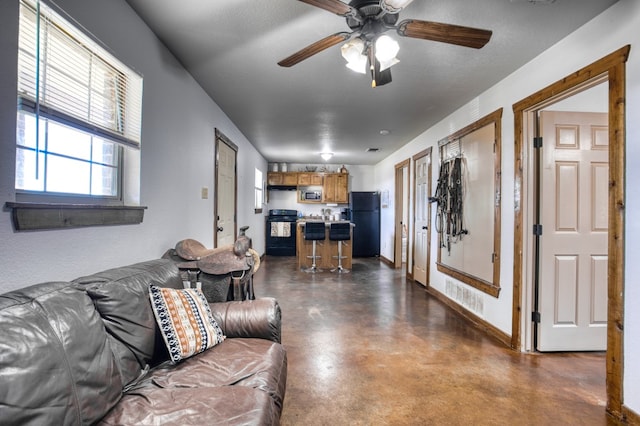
(238, 261)
(217, 261)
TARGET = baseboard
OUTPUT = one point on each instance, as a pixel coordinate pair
(478, 322)
(387, 261)
(630, 417)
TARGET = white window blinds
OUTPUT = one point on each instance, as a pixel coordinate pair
(450, 149)
(66, 76)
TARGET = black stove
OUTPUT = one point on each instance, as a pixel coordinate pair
(283, 214)
(280, 231)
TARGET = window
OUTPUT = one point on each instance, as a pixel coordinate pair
(79, 110)
(259, 194)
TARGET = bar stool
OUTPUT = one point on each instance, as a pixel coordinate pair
(340, 232)
(314, 231)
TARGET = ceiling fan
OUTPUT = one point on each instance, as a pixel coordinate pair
(367, 43)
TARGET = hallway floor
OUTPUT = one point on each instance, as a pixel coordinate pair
(369, 348)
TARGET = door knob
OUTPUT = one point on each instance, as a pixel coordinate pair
(220, 229)
(425, 227)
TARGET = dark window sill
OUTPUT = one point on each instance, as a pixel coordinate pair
(40, 216)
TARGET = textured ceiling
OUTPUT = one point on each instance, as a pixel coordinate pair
(292, 114)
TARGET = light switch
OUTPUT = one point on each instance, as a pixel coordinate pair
(205, 193)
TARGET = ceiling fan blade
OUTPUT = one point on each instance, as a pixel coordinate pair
(445, 33)
(314, 48)
(333, 6)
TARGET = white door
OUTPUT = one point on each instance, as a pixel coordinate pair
(421, 218)
(573, 245)
(225, 194)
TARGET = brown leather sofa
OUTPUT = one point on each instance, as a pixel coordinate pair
(90, 351)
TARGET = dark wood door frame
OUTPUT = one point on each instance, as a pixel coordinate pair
(613, 66)
(399, 213)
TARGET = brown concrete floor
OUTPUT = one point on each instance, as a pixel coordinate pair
(369, 348)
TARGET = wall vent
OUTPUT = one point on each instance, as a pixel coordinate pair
(465, 296)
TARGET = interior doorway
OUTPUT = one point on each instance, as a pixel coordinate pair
(570, 264)
(225, 202)
(612, 70)
(421, 231)
(401, 215)
(566, 141)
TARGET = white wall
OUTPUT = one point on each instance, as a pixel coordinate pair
(613, 29)
(176, 159)
(362, 178)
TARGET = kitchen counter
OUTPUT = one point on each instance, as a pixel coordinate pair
(327, 222)
(327, 248)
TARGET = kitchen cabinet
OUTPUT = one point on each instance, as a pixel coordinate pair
(282, 178)
(310, 179)
(333, 186)
(342, 188)
(336, 188)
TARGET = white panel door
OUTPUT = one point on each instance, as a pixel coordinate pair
(573, 245)
(226, 193)
(421, 249)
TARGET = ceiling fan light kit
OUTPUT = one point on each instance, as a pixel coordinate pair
(368, 21)
(352, 52)
(386, 50)
(394, 6)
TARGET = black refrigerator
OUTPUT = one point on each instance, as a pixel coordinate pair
(364, 212)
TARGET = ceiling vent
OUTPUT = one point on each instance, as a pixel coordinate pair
(373, 149)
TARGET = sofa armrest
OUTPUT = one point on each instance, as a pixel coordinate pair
(259, 318)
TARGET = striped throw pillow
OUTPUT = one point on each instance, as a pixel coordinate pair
(185, 321)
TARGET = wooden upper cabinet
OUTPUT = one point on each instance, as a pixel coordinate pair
(274, 178)
(310, 179)
(282, 178)
(342, 188)
(290, 178)
(329, 188)
(336, 188)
